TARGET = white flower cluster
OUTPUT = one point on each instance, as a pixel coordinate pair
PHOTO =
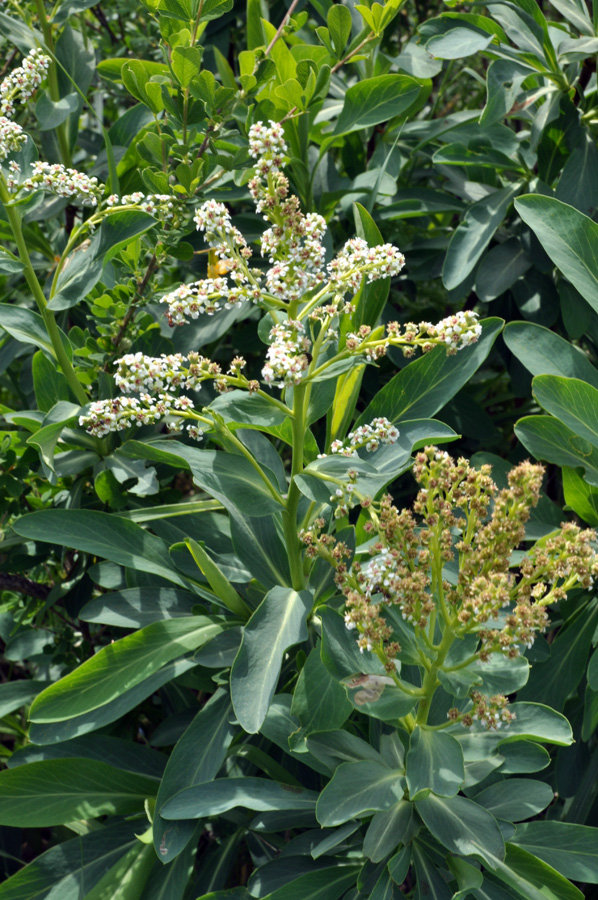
(119, 413)
(345, 498)
(161, 206)
(357, 259)
(204, 297)
(135, 372)
(57, 179)
(286, 359)
(268, 146)
(12, 137)
(23, 81)
(379, 431)
(456, 331)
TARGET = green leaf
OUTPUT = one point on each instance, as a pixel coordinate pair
(196, 758)
(50, 113)
(15, 694)
(319, 702)
(523, 757)
(28, 327)
(258, 544)
(104, 535)
(532, 878)
(424, 386)
(120, 666)
(335, 747)
(569, 848)
(328, 884)
(550, 440)
(186, 63)
(339, 26)
(569, 238)
(55, 732)
(376, 100)
(137, 607)
(462, 826)
(117, 752)
(223, 794)
(357, 788)
(456, 43)
(473, 235)
(71, 866)
(127, 878)
(428, 876)
(572, 401)
(552, 681)
(543, 352)
(516, 798)
(56, 791)
(503, 83)
(386, 830)
(434, 763)
(217, 580)
(278, 623)
(581, 497)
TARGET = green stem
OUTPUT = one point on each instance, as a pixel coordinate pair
(54, 90)
(431, 682)
(292, 505)
(52, 329)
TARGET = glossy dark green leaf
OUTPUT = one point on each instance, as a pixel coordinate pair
(376, 100)
(70, 867)
(227, 793)
(116, 752)
(569, 238)
(516, 798)
(523, 757)
(28, 327)
(120, 666)
(386, 830)
(196, 758)
(430, 883)
(462, 826)
(532, 878)
(278, 623)
(60, 790)
(329, 884)
(543, 352)
(572, 401)
(138, 607)
(434, 763)
(15, 694)
(319, 701)
(357, 788)
(104, 535)
(473, 235)
(571, 849)
(580, 496)
(550, 440)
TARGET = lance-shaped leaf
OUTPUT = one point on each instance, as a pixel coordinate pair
(462, 826)
(196, 758)
(56, 791)
(278, 623)
(120, 666)
(219, 796)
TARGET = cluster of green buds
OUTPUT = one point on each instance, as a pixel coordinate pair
(460, 515)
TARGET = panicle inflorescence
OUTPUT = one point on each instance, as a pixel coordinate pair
(459, 511)
(23, 81)
(367, 437)
(57, 179)
(119, 413)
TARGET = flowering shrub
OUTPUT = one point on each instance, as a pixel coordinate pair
(264, 636)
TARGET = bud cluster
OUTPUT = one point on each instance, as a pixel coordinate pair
(119, 413)
(23, 81)
(135, 372)
(357, 259)
(57, 179)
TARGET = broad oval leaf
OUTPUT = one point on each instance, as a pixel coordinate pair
(569, 237)
(571, 849)
(462, 826)
(376, 100)
(357, 788)
(516, 798)
(434, 763)
(545, 353)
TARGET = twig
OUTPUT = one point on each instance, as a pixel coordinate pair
(141, 286)
(9, 62)
(288, 15)
(341, 62)
(98, 12)
(24, 586)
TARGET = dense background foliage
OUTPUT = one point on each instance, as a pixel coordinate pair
(466, 136)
